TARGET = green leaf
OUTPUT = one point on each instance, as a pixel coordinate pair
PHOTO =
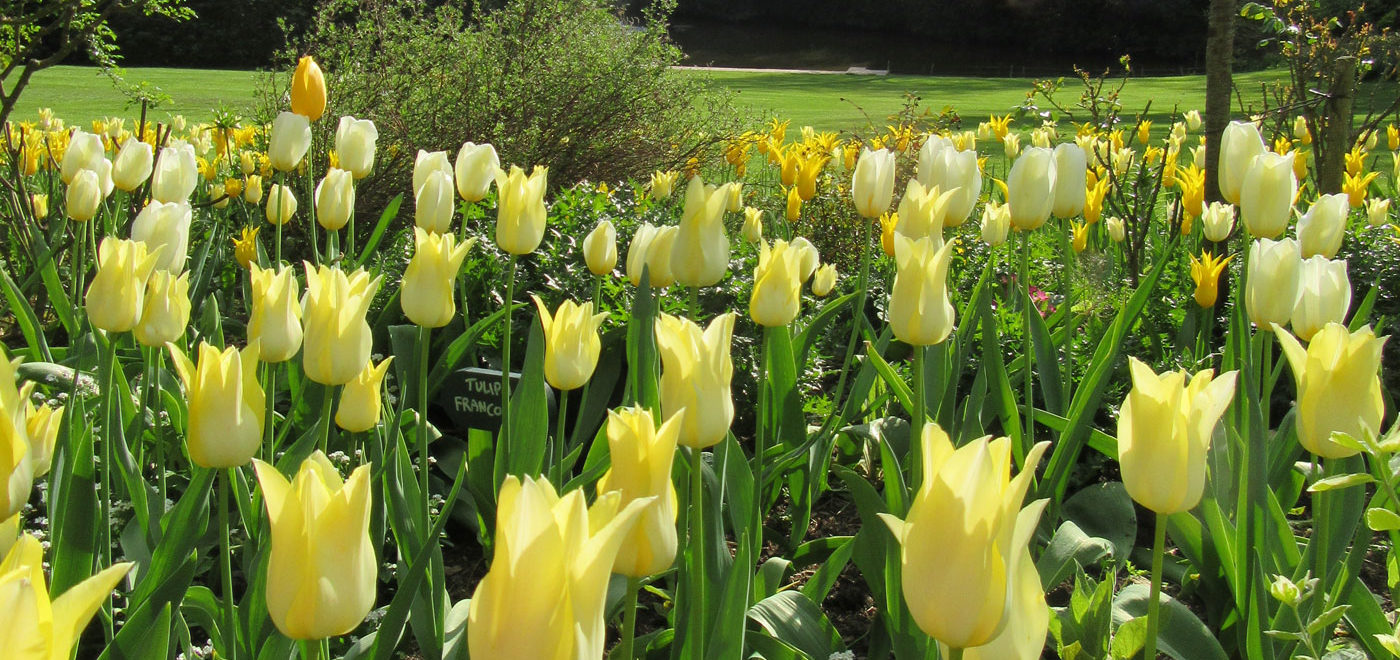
(901, 390)
(1339, 482)
(27, 320)
(391, 210)
(1129, 639)
(527, 440)
(1181, 634)
(1069, 547)
(793, 618)
(1105, 511)
(1382, 520)
(448, 359)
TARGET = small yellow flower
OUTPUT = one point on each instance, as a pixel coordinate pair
(1080, 233)
(1355, 160)
(1144, 131)
(887, 225)
(794, 204)
(1356, 187)
(245, 247)
(1000, 125)
(1282, 145)
(1206, 273)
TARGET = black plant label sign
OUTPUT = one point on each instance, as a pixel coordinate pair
(472, 398)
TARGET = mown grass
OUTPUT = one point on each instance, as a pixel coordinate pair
(824, 101)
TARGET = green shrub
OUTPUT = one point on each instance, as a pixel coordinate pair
(564, 83)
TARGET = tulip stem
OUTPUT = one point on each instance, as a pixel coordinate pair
(230, 631)
(629, 621)
(270, 401)
(955, 653)
(311, 649)
(277, 204)
(583, 396)
(560, 442)
(696, 606)
(858, 318)
(325, 419)
(104, 554)
(1028, 433)
(504, 444)
(311, 198)
(424, 334)
(916, 428)
(760, 443)
(1159, 543)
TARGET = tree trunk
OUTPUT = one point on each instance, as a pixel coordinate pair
(1220, 52)
(1335, 141)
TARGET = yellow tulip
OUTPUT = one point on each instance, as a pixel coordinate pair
(1144, 131)
(662, 183)
(1117, 231)
(1192, 181)
(1239, 144)
(165, 226)
(16, 468)
(308, 89)
(1300, 129)
(133, 165)
(1324, 295)
(996, 223)
(733, 195)
(226, 404)
(807, 173)
(571, 343)
(872, 183)
(37, 627)
(335, 199)
(1079, 236)
(545, 594)
(288, 142)
(245, 247)
(696, 371)
(700, 254)
(276, 319)
(777, 289)
(1027, 619)
(1358, 186)
(1031, 188)
(1011, 146)
(321, 568)
(1321, 229)
(650, 250)
(753, 225)
(1266, 194)
(824, 280)
(252, 189)
(428, 280)
(920, 313)
(1218, 221)
(600, 248)
(1205, 272)
(1071, 181)
(1164, 432)
(965, 537)
(434, 203)
(360, 400)
(1392, 137)
(354, 146)
(84, 152)
(1377, 212)
(888, 223)
(921, 211)
(116, 296)
(167, 309)
(1272, 283)
(281, 204)
(39, 204)
(1339, 387)
(9, 534)
(337, 339)
(520, 215)
(83, 198)
(42, 424)
(641, 468)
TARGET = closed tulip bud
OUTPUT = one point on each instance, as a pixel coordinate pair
(252, 190)
(1339, 387)
(359, 407)
(476, 170)
(1239, 144)
(920, 313)
(426, 296)
(810, 257)
(1285, 591)
(662, 183)
(600, 248)
(167, 309)
(1218, 221)
(247, 162)
(734, 196)
(337, 339)
(546, 592)
(321, 568)
(84, 196)
(1071, 165)
(520, 215)
(824, 280)
(427, 162)
(1011, 145)
(1300, 130)
(281, 204)
(434, 204)
(308, 89)
(996, 223)
(1117, 231)
(41, 628)
(777, 288)
(1377, 212)
(753, 225)
(921, 211)
(1205, 272)
(355, 141)
(1392, 137)
(226, 404)
(571, 343)
(84, 152)
(1320, 230)
(275, 323)
(1164, 432)
(165, 227)
(39, 204)
(958, 173)
(1031, 188)
(16, 468)
(650, 250)
(133, 165)
(700, 255)
(966, 535)
(335, 199)
(117, 293)
(1193, 119)
(289, 141)
(1272, 282)
(696, 371)
(1324, 296)
(41, 424)
(872, 183)
(641, 468)
(1266, 195)
(930, 153)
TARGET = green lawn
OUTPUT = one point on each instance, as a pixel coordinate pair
(825, 101)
